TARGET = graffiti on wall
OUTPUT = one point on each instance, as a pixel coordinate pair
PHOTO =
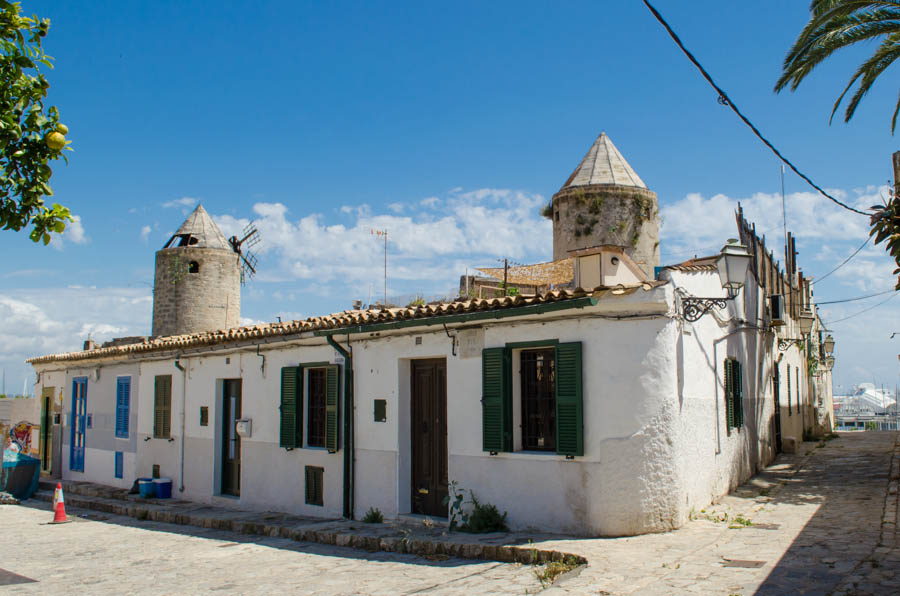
(20, 437)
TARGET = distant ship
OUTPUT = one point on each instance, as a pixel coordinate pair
(866, 400)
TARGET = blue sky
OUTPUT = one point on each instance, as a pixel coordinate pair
(449, 124)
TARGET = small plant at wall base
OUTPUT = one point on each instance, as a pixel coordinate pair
(373, 516)
(546, 574)
(481, 519)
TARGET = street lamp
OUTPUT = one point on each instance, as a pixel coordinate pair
(806, 320)
(732, 265)
(829, 344)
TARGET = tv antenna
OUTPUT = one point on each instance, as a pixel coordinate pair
(379, 234)
(249, 239)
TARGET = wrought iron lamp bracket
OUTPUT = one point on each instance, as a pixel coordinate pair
(693, 307)
(784, 344)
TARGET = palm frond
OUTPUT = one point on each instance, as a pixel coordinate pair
(884, 56)
(838, 33)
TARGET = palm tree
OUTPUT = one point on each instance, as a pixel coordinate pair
(836, 24)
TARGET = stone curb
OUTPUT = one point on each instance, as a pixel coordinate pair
(332, 537)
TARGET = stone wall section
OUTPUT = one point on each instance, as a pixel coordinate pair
(593, 215)
(207, 300)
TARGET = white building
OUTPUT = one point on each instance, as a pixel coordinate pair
(591, 412)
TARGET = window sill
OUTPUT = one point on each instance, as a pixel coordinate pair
(549, 455)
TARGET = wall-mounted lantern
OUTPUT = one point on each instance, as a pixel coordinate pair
(806, 321)
(829, 344)
(732, 264)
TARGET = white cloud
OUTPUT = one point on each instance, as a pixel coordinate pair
(145, 233)
(73, 233)
(425, 247)
(431, 202)
(397, 207)
(186, 204)
(38, 322)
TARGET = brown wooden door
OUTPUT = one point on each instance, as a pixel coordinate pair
(231, 441)
(429, 437)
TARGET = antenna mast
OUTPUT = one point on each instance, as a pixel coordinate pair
(384, 233)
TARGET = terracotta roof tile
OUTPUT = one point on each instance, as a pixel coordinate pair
(347, 319)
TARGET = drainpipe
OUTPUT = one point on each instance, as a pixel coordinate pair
(348, 424)
(183, 404)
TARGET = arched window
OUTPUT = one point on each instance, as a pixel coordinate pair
(194, 267)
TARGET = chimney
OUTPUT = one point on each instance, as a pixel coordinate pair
(89, 344)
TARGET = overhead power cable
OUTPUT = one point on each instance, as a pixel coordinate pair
(724, 99)
(865, 309)
(854, 299)
(845, 261)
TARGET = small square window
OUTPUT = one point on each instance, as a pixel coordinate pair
(380, 410)
(89, 421)
(204, 416)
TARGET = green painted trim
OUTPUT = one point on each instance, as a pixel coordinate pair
(503, 313)
(348, 426)
(315, 364)
(532, 344)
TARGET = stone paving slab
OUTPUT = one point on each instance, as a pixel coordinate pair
(823, 521)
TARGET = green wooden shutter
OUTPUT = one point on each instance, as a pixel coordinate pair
(729, 394)
(332, 386)
(569, 400)
(291, 410)
(738, 394)
(162, 406)
(496, 400)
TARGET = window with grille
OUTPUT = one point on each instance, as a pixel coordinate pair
(538, 378)
(315, 430)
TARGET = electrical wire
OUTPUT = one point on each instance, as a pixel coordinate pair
(854, 299)
(724, 99)
(847, 260)
(863, 310)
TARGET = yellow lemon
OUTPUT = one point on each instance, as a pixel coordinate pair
(62, 128)
(55, 141)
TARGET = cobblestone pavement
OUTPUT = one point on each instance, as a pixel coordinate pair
(820, 522)
(111, 554)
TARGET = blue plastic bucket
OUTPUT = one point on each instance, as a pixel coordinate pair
(163, 488)
(146, 488)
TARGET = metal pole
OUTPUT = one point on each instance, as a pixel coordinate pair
(385, 268)
(505, 274)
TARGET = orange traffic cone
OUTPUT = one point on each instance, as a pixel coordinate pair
(59, 506)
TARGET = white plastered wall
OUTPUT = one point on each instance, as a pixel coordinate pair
(712, 458)
(101, 444)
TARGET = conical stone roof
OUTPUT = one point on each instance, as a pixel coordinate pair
(603, 164)
(200, 226)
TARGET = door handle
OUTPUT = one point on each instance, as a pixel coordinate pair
(423, 491)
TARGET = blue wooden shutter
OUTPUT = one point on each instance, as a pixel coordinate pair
(119, 464)
(123, 406)
(291, 406)
(332, 411)
(496, 400)
(569, 400)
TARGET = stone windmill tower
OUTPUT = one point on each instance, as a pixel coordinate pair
(604, 202)
(197, 286)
